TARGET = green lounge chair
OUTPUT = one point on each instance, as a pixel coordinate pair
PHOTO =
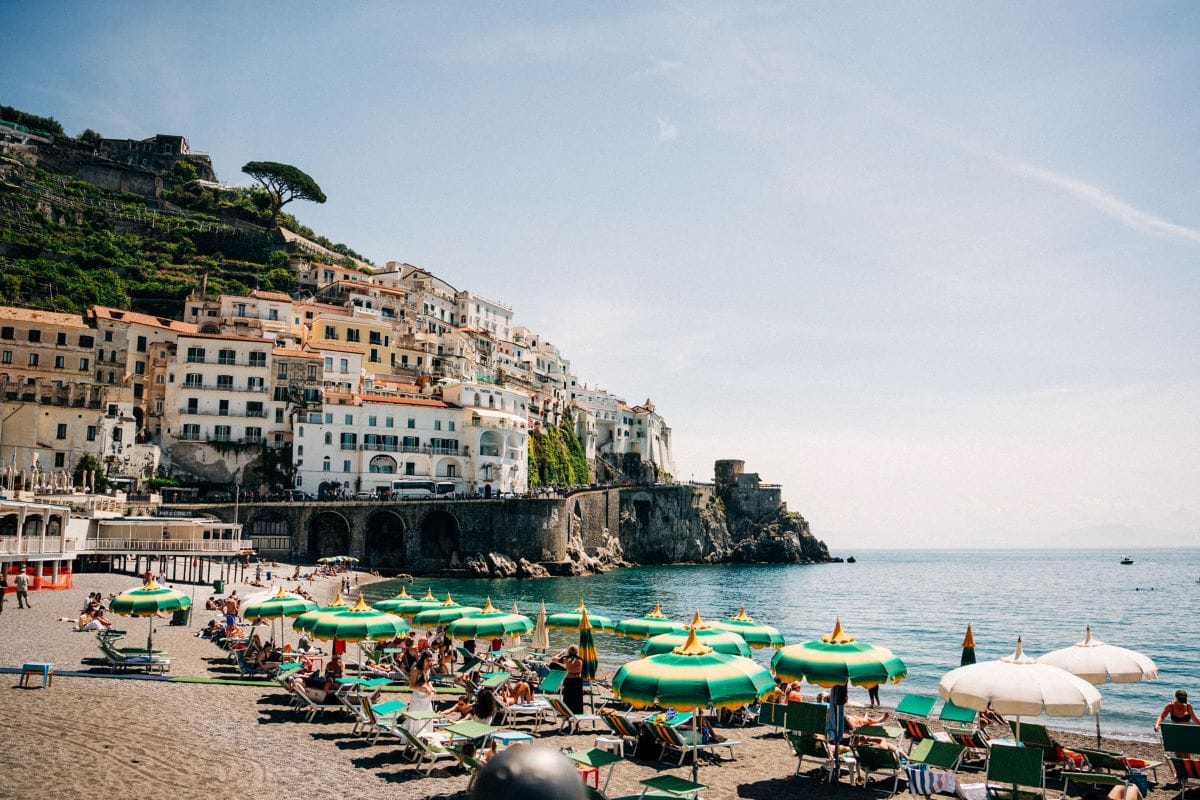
(773, 714)
(1108, 761)
(871, 760)
(570, 720)
(1039, 737)
(684, 740)
(552, 682)
(596, 758)
(956, 715)
(976, 742)
(1098, 780)
(1010, 768)
(916, 705)
(625, 728)
(422, 748)
(380, 717)
(806, 717)
(672, 786)
(816, 746)
(1180, 738)
(468, 762)
(1186, 769)
(939, 754)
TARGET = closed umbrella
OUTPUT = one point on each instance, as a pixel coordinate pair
(1098, 663)
(1020, 686)
(756, 634)
(587, 653)
(149, 601)
(968, 646)
(278, 605)
(446, 611)
(692, 678)
(648, 625)
(540, 641)
(569, 620)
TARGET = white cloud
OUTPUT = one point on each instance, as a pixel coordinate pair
(667, 130)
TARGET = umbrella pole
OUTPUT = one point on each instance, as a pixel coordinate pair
(150, 639)
(1097, 729)
(695, 751)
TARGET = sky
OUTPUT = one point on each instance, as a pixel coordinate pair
(931, 266)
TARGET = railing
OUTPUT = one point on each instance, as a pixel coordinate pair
(230, 440)
(168, 545)
(197, 412)
(31, 545)
(224, 387)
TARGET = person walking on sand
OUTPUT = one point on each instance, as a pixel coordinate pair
(21, 582)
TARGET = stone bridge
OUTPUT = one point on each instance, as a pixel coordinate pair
(424, 536)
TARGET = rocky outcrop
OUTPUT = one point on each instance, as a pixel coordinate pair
(785, 540)
(497, 565)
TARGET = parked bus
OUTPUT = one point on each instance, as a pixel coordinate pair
(422, 490)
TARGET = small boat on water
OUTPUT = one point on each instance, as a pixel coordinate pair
(851, 560)
(1126, 560)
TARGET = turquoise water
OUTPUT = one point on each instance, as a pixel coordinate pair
(918, 603)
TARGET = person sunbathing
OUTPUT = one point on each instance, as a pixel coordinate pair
(515, 692)
(463, 707)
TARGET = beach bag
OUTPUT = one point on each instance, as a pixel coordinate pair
(1139, 780)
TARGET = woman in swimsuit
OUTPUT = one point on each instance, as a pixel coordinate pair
(572, 686)
(1180, 711)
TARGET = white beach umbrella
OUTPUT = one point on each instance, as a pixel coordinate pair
(1020, 686)
(1098, 663)
(541, 637)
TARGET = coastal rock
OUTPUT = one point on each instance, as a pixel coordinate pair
(527, 569)
(491, 565)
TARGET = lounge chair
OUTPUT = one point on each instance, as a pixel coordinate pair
(468, 762)
(806, 717)
(1108, 761)
(916, 705)
(1186, 769)
(552, 681)
(518, 714)
(380, 717)
(674, 737)
(1038, 737)
(671, 786)
(871, 760)
(976, 742)
(570, 720)
(249, 669)
(935, 753)
(111, 636)
(1097, 780)
(595, 758)
(310, 708)
(816, 746)
(1180, 738)
(1010, 768)
(124, 661)
(955, 716)
(423, 748)
(626, 728)
(773, 714)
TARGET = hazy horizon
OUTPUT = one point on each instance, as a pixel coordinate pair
(932, 267)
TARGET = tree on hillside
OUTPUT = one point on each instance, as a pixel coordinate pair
(90, 138)
(284, 183)
(89, 463)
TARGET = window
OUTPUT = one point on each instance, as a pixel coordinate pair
(226, 357)
(331, 333)
(312, 372)
(255, 384)
(329, 363)
(139, 368)
(33, 359)
(224, 381)
(60, 460)
(159, 379)
(193, 405)
(59, 362)
(83, 365)
(329, 419)
(352, 335)
(376, 337)
(138, 390)
(91, 433)
(6, 357)
(349, 419)
(223, 408)
(371, 421)
(346, 466)
(6, 332)
(61, 339)
(87, 341)
(410, 468)
(328, 438)
(344, 363)
(254, 434)
(273, 313)
(437, 424)
(325, 464)
(389, 422)
(375, 356)
(221, 433)
(141, 344)
(62, 431)
(192, 379)
(349, 441)
(107, 336)
(451, 425)
(258, 359)
(117, 434)
(195, 355)
(254, 408)
(278, 415)
(412, 423)
(281, 371)
(34, 335)
(158, 407)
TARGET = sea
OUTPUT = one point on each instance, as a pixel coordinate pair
(917, 603)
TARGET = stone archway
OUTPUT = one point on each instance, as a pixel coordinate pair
(439, 536)
(385, 541)
(328, 535)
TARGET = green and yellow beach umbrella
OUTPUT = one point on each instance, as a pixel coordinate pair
(446, 611)
(587, 649)
(725, 642)
(690, 678)
(149, 600)
(417, 606)
(398, 603)
(305, 621)
(968, 646)
(359, 623)
(489, 623)
(277, 606)
(756, 634)
(651, 624)
(569, 620)
(836, 659)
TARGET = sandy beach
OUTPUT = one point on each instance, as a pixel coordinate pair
(107, 737)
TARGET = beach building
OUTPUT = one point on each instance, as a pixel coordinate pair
(267, 315)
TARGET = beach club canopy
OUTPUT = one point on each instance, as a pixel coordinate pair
(489, 623)
(541, 637)
(651, 624)
(836, 659)
(305, 621)
(358, 623)
(756, 634)
(148, 601)
(446, 611)
(276, 605)
(569, 620)
(1098, 663)
(692, 677)
(338, 560)
(1018, 685)
(725, 642)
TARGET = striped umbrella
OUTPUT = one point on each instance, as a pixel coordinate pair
(305, 621)
(489, 623)
(360, 623)
(569, 620)
(836, 659)
(338, 560)
(587, 649)
(690, 678)
(541, 637)
(398, 603)
(149, 600)
(756, 634)
(446, 611)
(277, 606)
(417, 606)
(968, 646)
(651, 624)
(725, 642)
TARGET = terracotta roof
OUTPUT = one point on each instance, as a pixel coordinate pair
(334, 346)
(289, 353)
(132, 317)
(409, 401)
(280, 296)
(227, 337)
(46, 317)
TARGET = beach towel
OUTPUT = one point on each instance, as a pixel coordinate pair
(922, 780)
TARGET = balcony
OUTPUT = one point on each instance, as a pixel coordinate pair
(30, 545)
(224, 387)
(381, 447)
(169, 545)
(246, 441)
(210, 413)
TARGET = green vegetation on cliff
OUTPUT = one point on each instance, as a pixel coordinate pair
(556, 456)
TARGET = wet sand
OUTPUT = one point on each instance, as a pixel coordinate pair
(107, 737)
